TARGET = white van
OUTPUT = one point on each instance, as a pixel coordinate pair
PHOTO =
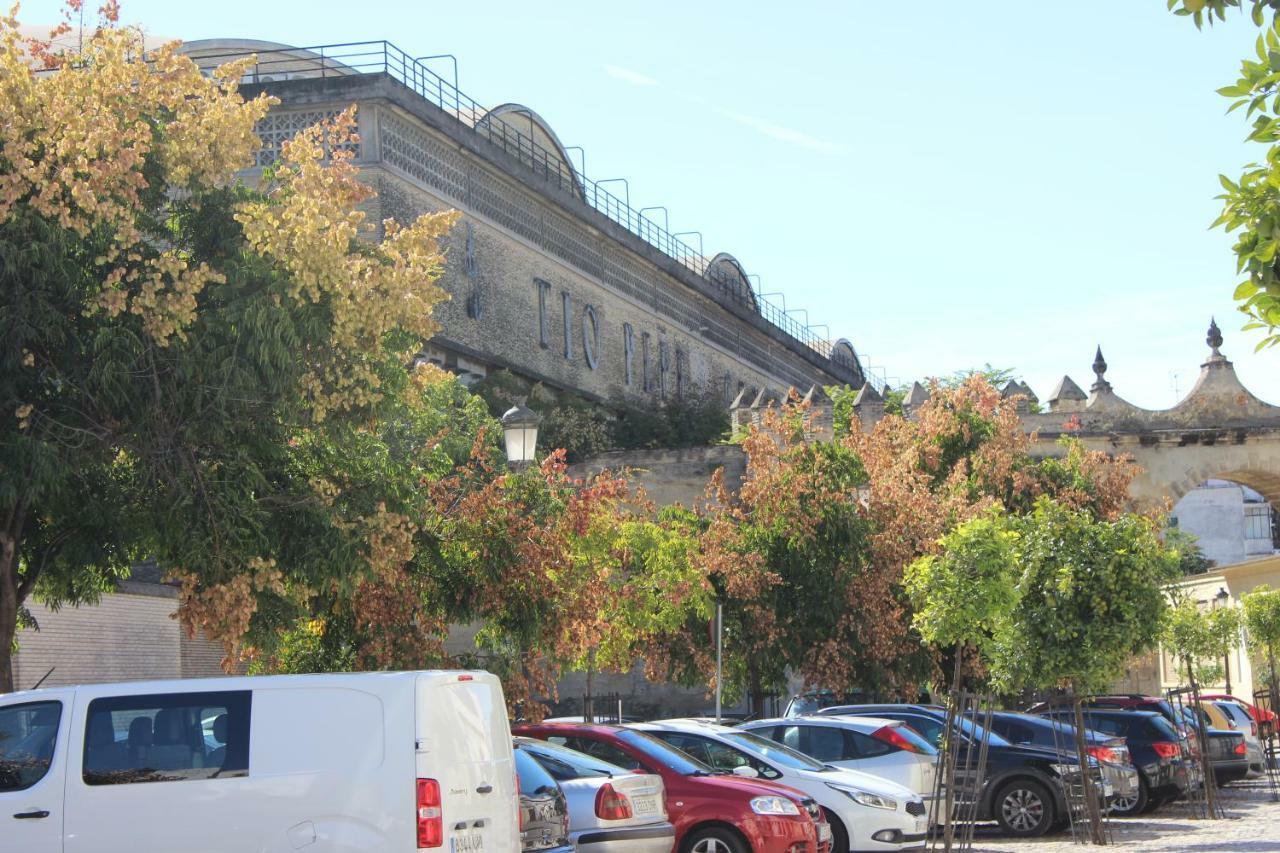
(384, 761)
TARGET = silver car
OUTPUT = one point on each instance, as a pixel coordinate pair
(611, 810)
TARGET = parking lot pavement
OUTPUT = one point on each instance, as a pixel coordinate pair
(1252, 824)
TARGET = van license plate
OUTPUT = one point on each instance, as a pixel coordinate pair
(644, 805)
(472, 842)
(824, 833)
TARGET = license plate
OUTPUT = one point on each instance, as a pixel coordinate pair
(471, 842)
(644, 805)
(824, 833)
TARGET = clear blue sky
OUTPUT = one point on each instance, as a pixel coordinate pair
(946, 184)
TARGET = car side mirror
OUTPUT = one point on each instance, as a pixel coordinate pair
(746, 772)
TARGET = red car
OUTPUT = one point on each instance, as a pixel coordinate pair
(712, 812)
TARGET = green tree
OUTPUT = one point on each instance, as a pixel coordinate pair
(191, 367)
(1261, 609)
(1198, 639)
(1090, 596)
(1251, 202)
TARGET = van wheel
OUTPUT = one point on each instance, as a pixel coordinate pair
(714, 839)
(839, 836)
(1134, 804)
(1023, 809)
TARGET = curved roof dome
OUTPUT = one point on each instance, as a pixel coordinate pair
(275, 61)
(547, 154)
(725, 271)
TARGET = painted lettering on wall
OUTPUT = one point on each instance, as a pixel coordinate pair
(590, 335)
(663, 367)
(644, 361)
(544, 287)
(566, 307)
(628, 348)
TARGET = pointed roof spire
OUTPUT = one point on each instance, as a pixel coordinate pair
(916, 397)
(1100, 385)
(1067, 389)
(1214, 340)
(867, 394)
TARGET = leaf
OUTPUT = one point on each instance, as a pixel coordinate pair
(1244, 290)
(1257, 14)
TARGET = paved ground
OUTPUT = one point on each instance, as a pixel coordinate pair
(1253, 824)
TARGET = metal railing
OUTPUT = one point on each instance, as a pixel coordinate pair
(382, 57)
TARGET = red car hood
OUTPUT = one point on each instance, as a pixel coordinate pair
(754, 787)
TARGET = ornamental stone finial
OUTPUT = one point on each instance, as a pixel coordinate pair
(1099, 370)
(1214, 338)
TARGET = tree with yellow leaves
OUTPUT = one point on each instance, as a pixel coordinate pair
(195, 370)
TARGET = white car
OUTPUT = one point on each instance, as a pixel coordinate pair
(887, 748)
(865, 811)
(1243, 722)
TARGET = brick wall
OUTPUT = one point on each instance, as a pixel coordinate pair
(127, 636)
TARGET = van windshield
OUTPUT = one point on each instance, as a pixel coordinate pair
(668, 756)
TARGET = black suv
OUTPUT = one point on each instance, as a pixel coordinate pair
(1164, 768)
(1022, 788)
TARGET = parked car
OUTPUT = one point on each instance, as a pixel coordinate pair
(866, 812)
(1111, 751)
(1264, 717)
(1023, 788)
(403, 761)
(711, 812)
(1239, 719)
(887, 748)
(1163, 765)
(611, 810)
(544, 813)
(1228, 753)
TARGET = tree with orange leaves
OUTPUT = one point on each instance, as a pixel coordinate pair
(193, 369)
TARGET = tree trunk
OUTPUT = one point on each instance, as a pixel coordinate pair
(755, 691)
(1202, 738)
(8, 610)
(1088, 791)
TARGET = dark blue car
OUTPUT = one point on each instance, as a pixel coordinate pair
(1164, 772)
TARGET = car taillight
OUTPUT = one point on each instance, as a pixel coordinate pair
(1240, 749)
(519, 806)
(1103, 753)
(610, 805)
(1165, 749)
(1253, 729)
(430, 814)
(889, 735)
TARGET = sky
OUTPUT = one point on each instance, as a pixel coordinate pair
(945, 184)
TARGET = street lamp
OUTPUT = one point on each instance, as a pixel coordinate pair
(1220, 600)
(520, 428)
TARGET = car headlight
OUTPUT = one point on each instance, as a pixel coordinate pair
(866, 798)
(774, 805)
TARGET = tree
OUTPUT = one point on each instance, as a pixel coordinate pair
(787, 558)
(1199, 639)
(191, 367)
(1251, 202)
(1090, 595)
(1261, 609)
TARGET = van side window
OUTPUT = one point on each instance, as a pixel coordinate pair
(167, 737)
(28, 734)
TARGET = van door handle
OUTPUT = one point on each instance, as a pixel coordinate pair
(31, 815)
(484, 789)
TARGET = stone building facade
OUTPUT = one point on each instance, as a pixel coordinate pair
(550, 275)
